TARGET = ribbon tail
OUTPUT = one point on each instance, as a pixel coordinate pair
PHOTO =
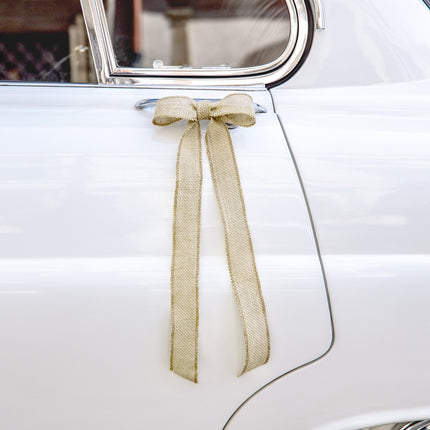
(185, 260)
(239, 249)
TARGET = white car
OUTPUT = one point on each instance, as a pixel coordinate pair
(335, 176)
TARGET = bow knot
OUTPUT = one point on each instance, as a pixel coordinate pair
(235, 109)
(203, 108)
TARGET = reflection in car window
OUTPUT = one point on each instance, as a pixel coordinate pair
(43, 40)
(198, 33)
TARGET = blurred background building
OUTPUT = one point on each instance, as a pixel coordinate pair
(43, 40)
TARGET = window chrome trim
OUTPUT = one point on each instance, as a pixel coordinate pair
(423, 425)
(317, 11)
(414, 425)
(108, 72)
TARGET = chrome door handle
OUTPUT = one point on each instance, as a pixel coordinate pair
(150, 103)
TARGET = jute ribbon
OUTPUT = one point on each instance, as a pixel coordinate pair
(234, 109)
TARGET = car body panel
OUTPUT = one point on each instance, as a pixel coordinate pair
(365, 166)
(86, 196)
(367, 42)
(87, 187)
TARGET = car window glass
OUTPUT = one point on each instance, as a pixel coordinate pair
(43, 40)
(197, 33)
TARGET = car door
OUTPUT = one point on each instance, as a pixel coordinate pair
(87, 189)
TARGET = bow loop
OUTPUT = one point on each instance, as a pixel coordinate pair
(235, 109)
(172, 109)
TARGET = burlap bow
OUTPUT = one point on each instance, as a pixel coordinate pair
(234, 109)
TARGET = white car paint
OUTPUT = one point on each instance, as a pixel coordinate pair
(367, 42)
(79, 278)
(365, 165)
(87, 187)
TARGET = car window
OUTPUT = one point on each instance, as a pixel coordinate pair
(44, 40)
(215, 34)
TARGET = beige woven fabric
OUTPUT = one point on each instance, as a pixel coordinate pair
(234, 109)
